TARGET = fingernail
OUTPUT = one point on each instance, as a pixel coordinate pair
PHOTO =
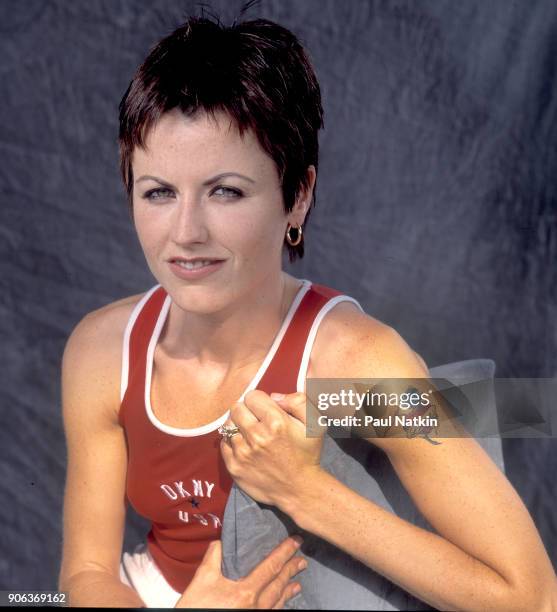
(302, 565)
(297, 588)
(277, 396)
(298, 540)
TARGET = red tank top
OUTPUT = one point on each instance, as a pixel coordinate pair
(176, 478)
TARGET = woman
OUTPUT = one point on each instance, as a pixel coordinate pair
(220, 320)
(219, 155)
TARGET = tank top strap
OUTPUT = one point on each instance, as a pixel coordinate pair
(288, 369)
(137, 335)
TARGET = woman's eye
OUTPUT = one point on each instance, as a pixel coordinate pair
(232, 193)
(150, 195)
(162, 192)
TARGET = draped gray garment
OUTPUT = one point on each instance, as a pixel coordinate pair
(333, 579)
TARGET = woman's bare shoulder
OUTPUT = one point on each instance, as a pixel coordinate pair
(95, 347)
(353, 344)
(105, 326)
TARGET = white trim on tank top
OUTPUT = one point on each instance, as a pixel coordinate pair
(209, 427)
(126, 345)
(302, 373)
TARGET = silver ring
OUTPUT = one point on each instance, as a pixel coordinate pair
(228, 432)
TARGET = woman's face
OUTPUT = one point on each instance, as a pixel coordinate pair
(182, 211)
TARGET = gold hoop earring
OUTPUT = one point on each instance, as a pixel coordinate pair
(298, 239)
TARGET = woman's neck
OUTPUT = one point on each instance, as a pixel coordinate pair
(234, 338)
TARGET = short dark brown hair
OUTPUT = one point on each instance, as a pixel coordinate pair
(255, 71)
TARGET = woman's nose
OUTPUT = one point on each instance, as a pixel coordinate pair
(189, 224)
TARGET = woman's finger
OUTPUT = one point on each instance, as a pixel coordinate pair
(236, 442)
(290, 591)
(294, 404)
(245, 420)
(227, 454)
(277, 590)
(267, 571)
(262, 406)
(241, 415)
(232, 433)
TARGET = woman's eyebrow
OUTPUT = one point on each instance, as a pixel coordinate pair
(210, 181)
(225, 174)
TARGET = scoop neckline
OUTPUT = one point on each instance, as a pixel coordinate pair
(213, 425)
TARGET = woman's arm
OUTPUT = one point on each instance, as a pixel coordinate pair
(94, 505)
(487, 553)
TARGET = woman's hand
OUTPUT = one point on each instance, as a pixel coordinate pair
(267, 586)
(271, 458)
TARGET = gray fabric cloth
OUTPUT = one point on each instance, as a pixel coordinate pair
(333, 579)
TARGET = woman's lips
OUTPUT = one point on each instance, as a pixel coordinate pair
(196, 273)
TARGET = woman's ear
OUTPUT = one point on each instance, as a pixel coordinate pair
(312, 175)
(303, 201)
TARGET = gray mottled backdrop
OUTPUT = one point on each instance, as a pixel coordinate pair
(436, 205)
